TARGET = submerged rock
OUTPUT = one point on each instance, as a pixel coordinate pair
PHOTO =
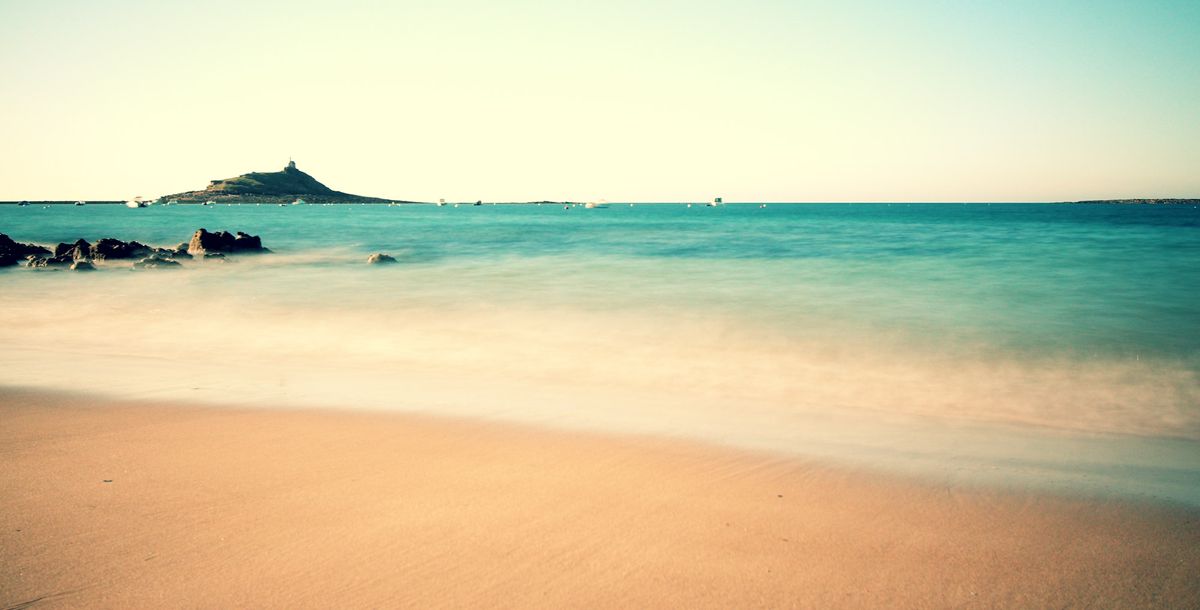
(156, 262)
(380, 258)
(12, 252)
(204, 242)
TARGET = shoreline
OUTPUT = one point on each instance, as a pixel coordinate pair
(225, 506)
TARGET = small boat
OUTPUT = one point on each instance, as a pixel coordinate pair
(592, 205)
(137, 202)
(441, 202)
(298, 202)
(715, 202)
(22, 204)
(478, 203)
(80, 203)
(209, 202)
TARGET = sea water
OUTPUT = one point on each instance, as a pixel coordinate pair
(1047, 346)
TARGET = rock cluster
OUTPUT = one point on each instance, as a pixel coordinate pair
(79, 255)
(204, 242)
(115, 249)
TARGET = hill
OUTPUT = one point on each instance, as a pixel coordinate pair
(271, 187)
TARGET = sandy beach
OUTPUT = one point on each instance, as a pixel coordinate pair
(155, 505)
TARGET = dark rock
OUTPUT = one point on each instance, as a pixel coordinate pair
(12, 252)
(204, 242)
(79, 250)
(380, 258)
(113, 249)
(156, 262)
(82, 266)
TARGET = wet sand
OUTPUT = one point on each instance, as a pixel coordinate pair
(107, 504)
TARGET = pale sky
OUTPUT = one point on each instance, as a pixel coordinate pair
(626, 100)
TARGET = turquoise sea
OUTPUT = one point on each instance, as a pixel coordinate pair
(1026, 345)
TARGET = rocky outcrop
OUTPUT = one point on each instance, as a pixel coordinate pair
(380, 258)
(115, 249)
(203, 245)
(12, 252)
(204, 242)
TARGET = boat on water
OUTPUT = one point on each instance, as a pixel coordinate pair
(299, 202)
(209, 202)
(592, 205)
(22, 204)
(715, 202)
(137, 202)
(80, 203)
(441, 202)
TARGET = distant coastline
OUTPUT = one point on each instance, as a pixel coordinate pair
(1142, 201)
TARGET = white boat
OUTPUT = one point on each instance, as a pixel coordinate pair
(591, 205)
(441, 202)
(80, 203)
(715, 202)
(209, 202)
(137, 202)
(298, 202)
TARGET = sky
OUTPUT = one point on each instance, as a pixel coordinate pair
(750, 100)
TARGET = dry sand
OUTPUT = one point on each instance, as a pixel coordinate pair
(140, 505)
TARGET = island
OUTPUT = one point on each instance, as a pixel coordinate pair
(287, 186)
